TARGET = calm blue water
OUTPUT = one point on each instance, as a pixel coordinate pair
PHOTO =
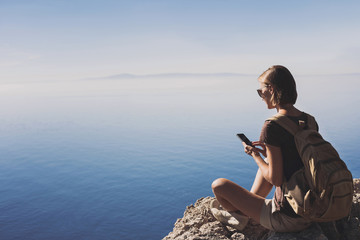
(121, 159)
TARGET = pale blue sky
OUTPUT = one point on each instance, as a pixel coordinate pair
(64, 40)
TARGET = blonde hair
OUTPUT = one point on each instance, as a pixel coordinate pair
(283, 83)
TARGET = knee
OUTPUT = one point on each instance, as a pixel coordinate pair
(218, 183)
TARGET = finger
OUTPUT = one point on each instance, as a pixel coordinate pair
(249, 148)
(258, 143)
(260, 146)
(257, 150)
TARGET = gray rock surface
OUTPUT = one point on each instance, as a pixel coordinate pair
(199, 224)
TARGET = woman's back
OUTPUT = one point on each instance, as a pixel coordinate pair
(273, 134)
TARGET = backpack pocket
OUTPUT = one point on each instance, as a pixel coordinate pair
(295, 191)
(340, 201)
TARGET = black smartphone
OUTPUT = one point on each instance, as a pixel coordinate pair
(244, 139)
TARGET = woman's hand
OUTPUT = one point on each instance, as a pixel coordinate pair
(262, 148)
(254, 150)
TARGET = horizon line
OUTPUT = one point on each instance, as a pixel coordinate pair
(128, 76)
(217, 74)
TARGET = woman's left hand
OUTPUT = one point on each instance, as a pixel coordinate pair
(254, 150)
(262, 148)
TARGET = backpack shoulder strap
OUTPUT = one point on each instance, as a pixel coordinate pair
(311, 122)
(286, 123)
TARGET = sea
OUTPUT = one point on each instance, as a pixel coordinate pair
(121, 157)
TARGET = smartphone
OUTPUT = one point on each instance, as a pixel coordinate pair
(244, 139)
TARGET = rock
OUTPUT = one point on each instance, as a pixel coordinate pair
(313, 232)
(199, 224)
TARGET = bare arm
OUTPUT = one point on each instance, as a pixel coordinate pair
(272, 172)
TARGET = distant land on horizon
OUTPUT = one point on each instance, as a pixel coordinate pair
(198, 75)
(127, 76)
(169, 75)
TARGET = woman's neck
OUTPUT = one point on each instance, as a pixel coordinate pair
(289, 110)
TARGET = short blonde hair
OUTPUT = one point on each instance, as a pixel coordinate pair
(280, 78)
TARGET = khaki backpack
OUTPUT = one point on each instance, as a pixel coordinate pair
(322, 190)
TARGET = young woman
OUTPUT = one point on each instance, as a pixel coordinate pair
(277, 158)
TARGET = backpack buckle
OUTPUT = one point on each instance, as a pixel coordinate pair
(302, 124)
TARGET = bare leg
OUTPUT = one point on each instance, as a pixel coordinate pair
(234, 197)
(261, 186)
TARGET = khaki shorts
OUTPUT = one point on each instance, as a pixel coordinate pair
(279, 222)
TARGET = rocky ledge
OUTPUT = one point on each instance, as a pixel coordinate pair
(198, 223)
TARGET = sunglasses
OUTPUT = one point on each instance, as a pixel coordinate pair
(259, 91)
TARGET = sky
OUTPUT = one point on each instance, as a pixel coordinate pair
(50, 40)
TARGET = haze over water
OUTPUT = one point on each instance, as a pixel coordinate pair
(122, 158)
